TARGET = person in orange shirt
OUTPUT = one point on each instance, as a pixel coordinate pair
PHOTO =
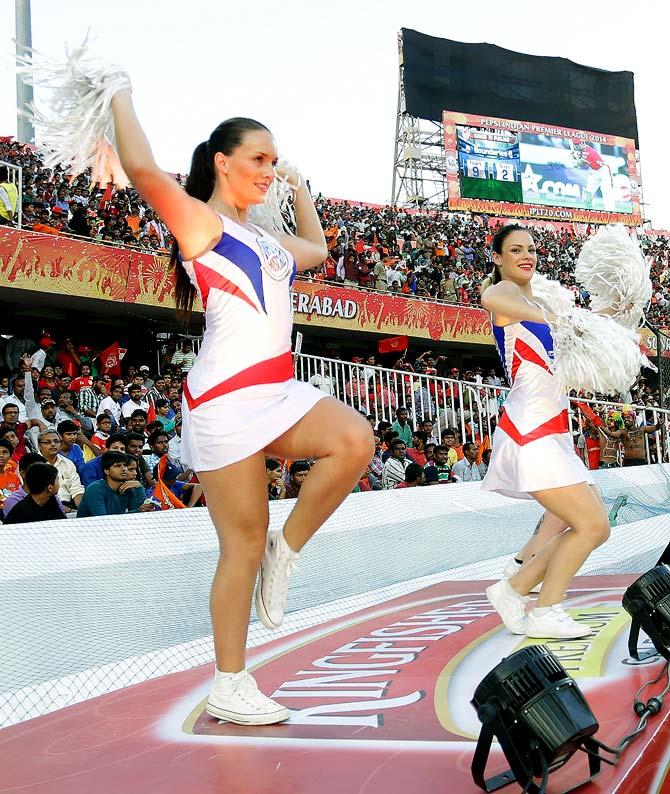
(133, 220)
(9, 474)
(43, 225)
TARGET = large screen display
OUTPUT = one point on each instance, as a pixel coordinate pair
(509, 167)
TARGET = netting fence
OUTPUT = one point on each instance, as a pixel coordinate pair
(93, 605)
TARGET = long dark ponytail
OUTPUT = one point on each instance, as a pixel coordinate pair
(200, 184)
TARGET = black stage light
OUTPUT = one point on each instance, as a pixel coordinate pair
(647, 601)
(539, 716)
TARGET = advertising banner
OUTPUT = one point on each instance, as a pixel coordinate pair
(528, 169)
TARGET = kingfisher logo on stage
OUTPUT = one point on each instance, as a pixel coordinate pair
(406, 671)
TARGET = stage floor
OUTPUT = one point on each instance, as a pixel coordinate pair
(380, 705)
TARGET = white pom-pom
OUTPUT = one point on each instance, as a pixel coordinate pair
(616, 274)
(276, 214)
(552, 295)
(78, 120)
(594, 353)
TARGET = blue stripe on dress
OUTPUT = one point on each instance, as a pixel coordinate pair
(246, 259)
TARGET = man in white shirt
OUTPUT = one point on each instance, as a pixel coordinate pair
(466, 469)
(174, 446)
(323, 381)
(71, 490)
(134, 403)
(112, 405)
(40, 355)
(17, 397)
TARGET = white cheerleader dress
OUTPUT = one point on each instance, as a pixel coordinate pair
(241, 394)
(532, 447)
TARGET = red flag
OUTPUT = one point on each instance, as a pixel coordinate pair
(394, 344)
(151, 413)
(588, 413)
(110, 359)
(107, 195)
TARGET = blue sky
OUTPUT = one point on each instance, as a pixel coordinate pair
(323, 75)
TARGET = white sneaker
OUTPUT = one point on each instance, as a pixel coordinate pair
(235, 698)
(513, 567)
(509, 605)
(555, 624)
(277, 563)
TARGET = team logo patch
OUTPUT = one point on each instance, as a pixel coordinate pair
(275, 261)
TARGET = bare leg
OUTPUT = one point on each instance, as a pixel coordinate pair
(238, 504)
(582, 509)
(341, 439)
(547, 528)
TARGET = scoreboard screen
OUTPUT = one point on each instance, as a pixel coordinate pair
(540, 170)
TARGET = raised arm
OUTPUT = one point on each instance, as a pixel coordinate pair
(506, 304)
(195, 226)
(308, 246)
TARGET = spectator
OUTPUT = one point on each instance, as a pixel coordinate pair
(402, 426)
(439, 471)
(66, 408)
(70, 489)
(9, 475)
(16, 496)
(135, 403)
(103, 430)
(396, 463)
(323, 380)
(84, 380)
(93, 469)
(70, 434)
(413, 476)
(13, 440)
(10, 421)
(41, 503)
(426, 425)
(187, 492)
(377, 464)
(185, 358)
(9, 197)
(134, 447)
(298, 472)
(449, 442)
(111, 406)
(39, 357)
(114, 494)
(417, 452)
(484, 465)
(89, 402)
(162, 408)
(466, 469)
(276, 485)
(158, 444)
(174, 447)
(17, 398)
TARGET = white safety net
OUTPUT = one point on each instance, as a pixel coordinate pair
(93, 605)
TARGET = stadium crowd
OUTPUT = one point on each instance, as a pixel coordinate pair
(422, 254)
(77, 442)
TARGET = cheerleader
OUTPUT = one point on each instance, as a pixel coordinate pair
(241, 401)
(533, 455)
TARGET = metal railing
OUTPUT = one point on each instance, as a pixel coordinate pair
(471, 408)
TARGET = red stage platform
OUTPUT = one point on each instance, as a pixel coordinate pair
(381, 706)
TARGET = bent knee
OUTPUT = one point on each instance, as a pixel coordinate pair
(597, 532)
(356, 443)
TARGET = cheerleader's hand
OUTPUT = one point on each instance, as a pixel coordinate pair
(289, 175)
(107, 168)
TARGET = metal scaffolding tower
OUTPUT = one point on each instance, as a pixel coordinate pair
(418, 161)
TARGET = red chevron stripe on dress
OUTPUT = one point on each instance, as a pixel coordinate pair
(558, 424)
(272, 370)
(209, 279)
